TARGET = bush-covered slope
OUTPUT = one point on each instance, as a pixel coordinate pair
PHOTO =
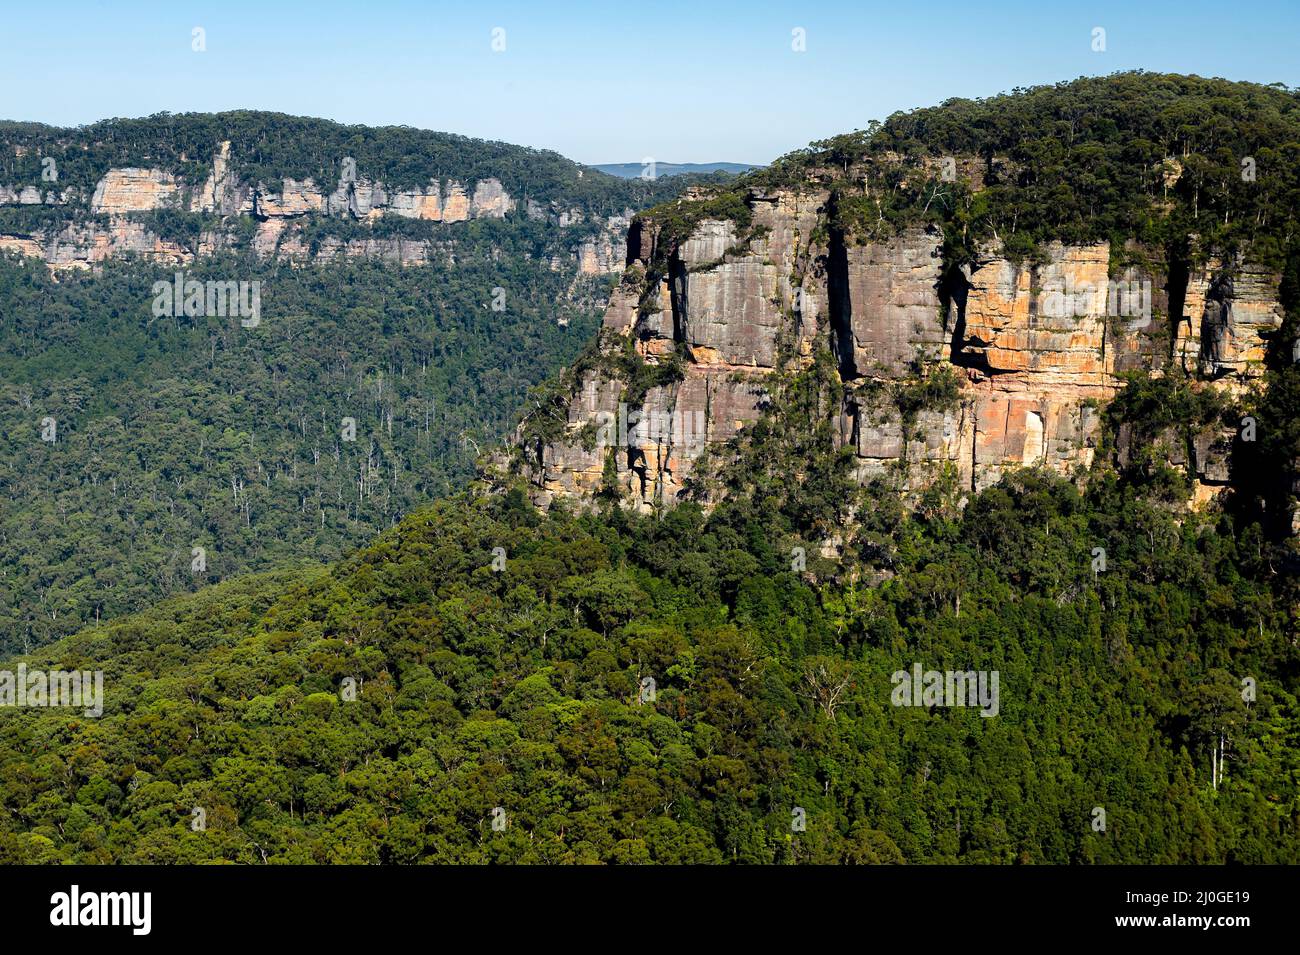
(499, 659)
(176, 433)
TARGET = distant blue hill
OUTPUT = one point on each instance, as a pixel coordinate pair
(631, 170)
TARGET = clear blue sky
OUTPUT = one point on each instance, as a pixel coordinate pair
(607, 82)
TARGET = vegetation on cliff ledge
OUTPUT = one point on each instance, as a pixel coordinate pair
(1133, 156)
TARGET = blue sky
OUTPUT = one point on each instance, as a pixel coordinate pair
(607, 82)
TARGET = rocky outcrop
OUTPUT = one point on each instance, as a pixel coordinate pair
(142, 190)
(280, 213)
(134, 190)
(300, 199)
(887, 305)
(604, 253)
(87, 245)
(418, 204)
(490, 201)
(220, 193)
(1037, 349)
(717, 306)
(396, 251)
(21, 246)
(1229, 308)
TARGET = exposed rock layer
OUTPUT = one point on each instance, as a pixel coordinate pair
(281, 212)
(1038, 349)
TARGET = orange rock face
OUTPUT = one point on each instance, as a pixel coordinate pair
(456, 206)
(280, 209)
(134, 190)
(1038, 349)
(28, 247)
(423, 204)
(1046, 320)
(295, 199)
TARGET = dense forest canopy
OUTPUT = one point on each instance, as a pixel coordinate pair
(176, 433)
(481, 663)
(267, 149)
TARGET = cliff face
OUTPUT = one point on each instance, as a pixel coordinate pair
(280, 216)
(1037, 349)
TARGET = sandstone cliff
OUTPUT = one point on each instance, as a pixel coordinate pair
(281, 212)
(1037, 347)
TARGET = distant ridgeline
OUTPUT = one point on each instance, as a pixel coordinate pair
(174, 187)
(983, 279)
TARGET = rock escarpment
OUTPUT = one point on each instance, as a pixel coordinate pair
(282, 214)
(1037, 348)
